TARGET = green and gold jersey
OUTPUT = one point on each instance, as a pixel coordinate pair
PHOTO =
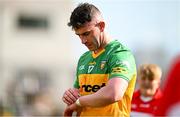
(94, 71)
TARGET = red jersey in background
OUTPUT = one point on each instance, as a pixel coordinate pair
(170, 103)
(145, 106)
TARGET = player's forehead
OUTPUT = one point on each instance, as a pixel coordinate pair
(86, 27)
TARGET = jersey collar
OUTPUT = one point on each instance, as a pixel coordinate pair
(97, 54)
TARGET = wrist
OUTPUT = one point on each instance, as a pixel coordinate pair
(78, 103)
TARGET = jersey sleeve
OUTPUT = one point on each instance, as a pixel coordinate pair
(76, 82)
(122, 65)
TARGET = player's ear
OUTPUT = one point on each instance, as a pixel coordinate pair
(102, 26)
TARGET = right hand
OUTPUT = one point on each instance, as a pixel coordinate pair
(70, 96)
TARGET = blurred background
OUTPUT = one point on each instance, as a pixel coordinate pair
(39, 52)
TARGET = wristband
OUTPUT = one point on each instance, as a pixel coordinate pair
(78, 102)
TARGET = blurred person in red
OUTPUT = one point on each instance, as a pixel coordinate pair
(170, 103)
(147, 97)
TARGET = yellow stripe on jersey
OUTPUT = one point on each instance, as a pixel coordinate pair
(90, 83)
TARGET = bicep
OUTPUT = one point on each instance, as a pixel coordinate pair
(117, 86)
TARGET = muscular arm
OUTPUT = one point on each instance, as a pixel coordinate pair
(112, 92)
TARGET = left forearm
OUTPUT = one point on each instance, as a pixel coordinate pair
(112, 92)
(98, 99)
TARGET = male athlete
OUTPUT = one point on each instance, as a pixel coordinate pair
(106, 74)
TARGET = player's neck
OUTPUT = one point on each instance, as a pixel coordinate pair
(105, 39)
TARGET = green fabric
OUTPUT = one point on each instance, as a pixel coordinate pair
(116, 60)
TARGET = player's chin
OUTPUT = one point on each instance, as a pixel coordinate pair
(91, 48)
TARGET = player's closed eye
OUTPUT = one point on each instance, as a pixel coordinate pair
(86, 33)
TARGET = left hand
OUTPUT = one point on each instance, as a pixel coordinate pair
(68, 112)
(70, 109)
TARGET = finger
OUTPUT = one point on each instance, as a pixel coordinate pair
(68, 99)
(65, 101)
(70, 94)
(75, 93)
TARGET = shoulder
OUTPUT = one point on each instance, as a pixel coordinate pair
(86, 54)
(121, 54)
(118, 46)
(115, 48)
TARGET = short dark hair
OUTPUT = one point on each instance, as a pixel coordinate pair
(82, 14)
